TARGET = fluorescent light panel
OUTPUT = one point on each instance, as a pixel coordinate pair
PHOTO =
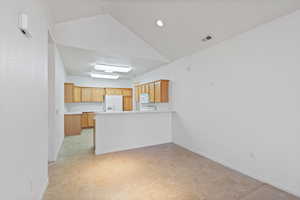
(110, 68)
(106, 76)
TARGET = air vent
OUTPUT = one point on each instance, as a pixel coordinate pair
(207, 38)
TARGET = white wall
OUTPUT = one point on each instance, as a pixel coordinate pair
(90, 82)
(24, 102)
(56, 97)
(51, 98)
(238, 102)
(111, 138)
(93, 82)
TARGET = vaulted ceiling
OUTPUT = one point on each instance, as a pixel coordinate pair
(187, 22)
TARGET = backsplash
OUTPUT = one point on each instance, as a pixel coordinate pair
(153, 106)
(85, 107)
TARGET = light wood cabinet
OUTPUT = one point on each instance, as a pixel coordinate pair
(127, 92)
(98, 94)
(145, 89)
(152, 92)
(84, 120)
(87, 120)
(72, 125)
(157, 91)
(127, 103)
(91, 117)
(161, 91)
(90, 94)
(76, 94)
(69, 92)
(87, 94)
(113, 91)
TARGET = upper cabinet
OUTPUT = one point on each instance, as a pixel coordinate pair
(161, 91)
(92, 94)
(152, 92)
(158, 91)
(76, 94)
(127, 92)
(113, 91)
(86, 94)
(69, 92)
(98, 94)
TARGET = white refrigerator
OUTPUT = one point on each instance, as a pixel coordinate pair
(113, 103)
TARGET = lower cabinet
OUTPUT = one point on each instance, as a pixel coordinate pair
(84, 120)
(91, 117)
(87, 120)
(72, 125)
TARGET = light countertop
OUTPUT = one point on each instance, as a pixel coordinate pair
(73, 113)
(125, 112)
(134, 112)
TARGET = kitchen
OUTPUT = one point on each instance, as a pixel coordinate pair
(88, 106)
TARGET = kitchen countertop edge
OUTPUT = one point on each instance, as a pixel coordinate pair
(134, 112)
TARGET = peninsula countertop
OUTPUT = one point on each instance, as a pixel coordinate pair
(134, 112)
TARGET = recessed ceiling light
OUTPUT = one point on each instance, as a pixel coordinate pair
(159, 23)
(106, 76)
(110, 68)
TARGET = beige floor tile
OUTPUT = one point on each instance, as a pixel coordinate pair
(267, 192)
(162, 172)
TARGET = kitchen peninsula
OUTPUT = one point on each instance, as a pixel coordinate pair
(117, 131)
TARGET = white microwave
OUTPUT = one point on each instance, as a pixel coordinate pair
(144, 98)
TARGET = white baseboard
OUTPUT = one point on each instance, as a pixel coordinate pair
(260, 178)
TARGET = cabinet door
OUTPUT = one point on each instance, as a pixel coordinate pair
(143, 89)
(151, 92)
(157, 92)
(146, 90)
(72, 125)
(127, 103)
(69, 92)
(164, 91)
(76, 94)
(84, 120)
(113, 91)
(91, 117)
(161, 91)
(98, 94)
(127, 92)
(87, 94)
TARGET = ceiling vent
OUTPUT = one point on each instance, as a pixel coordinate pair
(207, 38)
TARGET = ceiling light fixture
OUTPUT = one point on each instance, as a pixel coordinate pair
(159, 23)
(106, 76)
(111, 68)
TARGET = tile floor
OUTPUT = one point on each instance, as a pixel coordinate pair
(163, 172)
